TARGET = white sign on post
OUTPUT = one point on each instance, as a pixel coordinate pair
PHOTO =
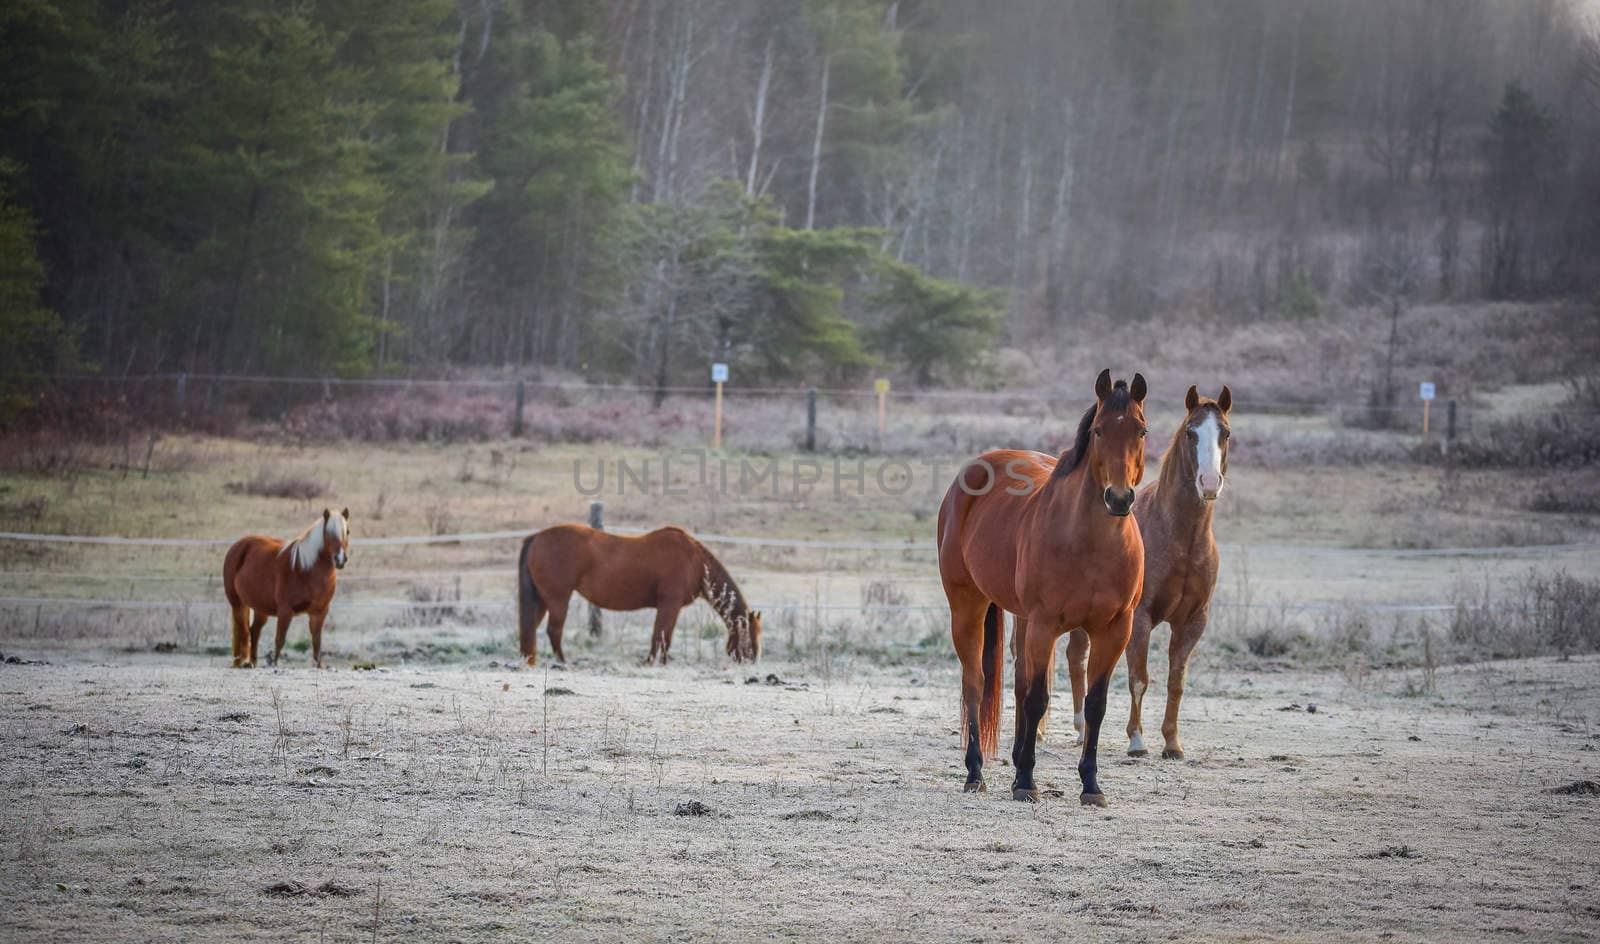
(719, 373)
(1426, 391)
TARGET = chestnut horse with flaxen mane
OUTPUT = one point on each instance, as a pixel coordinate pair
(665, 569)
(1052, 542)
(271, 578)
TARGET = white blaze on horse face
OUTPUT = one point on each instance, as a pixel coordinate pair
(338, 533)
(1208, 458)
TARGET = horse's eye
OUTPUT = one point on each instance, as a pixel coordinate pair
(1096, 431)
(1223, 434)
(1143, 433)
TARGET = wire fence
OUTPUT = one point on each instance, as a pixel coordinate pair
(199, 394)
(924, 549)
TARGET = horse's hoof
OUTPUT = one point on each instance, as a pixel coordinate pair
(1030, 795)
(1092, 799)
(1172, 753)
(975, 786)
(1137, 752)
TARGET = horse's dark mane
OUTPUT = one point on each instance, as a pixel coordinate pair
(1118, 400)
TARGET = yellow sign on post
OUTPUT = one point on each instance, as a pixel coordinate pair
(882, 386)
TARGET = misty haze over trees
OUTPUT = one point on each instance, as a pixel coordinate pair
(629, 189)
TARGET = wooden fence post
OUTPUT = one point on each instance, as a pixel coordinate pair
(597, 522)
(811, 419)
(522, 395)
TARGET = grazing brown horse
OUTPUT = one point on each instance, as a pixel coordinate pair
(666, 569)
(1051, 541)
(1180, 563)
(276, 579)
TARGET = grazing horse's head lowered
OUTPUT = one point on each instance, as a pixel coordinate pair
(1111, 438)
(1206, 431)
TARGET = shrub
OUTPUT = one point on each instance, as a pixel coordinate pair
(269, 485)
(1554, 613)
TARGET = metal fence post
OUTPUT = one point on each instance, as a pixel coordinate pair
(1449, 424)
(811, 419)
(597, 522)
(183, 385)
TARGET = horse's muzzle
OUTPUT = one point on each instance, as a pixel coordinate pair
(1209, 486)
(1119, 501)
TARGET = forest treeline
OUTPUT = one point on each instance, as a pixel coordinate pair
(633, 188)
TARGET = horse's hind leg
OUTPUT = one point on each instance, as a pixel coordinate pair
(1077, 667)
(967, 632)
(558, 624)
(258, 619)
(241, 636)
(1138, 681)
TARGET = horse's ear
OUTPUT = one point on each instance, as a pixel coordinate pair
(346, 514)
(1191, 399)
(1102, 384)
(326, 514)
(1225, 399)
(1137, 389)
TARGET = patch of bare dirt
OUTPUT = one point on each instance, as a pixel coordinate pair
(353, 806)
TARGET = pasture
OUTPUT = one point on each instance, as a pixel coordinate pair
(427, 786)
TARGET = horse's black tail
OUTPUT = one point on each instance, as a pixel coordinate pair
(994, 637)
(530, 608)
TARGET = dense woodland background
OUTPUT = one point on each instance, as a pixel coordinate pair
(628, 189)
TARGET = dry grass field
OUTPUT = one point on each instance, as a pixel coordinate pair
(425, 787)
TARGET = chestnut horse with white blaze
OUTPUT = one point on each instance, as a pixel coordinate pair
(666, 569)
(271, 578)
(1180, 562)
(1051, 541)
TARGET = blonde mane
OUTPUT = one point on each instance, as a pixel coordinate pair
(304, 550)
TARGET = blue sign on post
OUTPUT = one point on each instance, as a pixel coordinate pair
(1426, 392)
(719, 373)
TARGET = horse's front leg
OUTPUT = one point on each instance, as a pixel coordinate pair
(285, 617)
(1106, 644)
(1138, 680)
(1184, 639)
(1033, 698)
(661, 634)
(316, 636)
(1078, 669)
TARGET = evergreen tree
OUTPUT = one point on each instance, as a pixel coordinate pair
(35, 340)
(284, 204)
